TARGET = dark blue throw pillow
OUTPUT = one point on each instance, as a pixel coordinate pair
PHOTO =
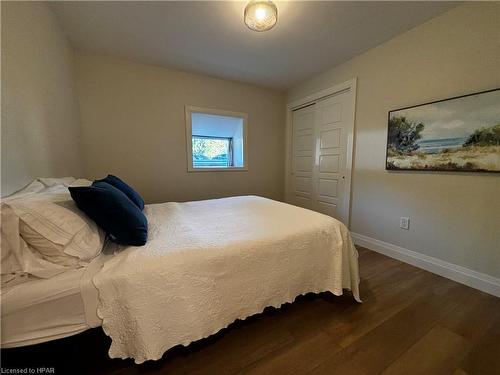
(113, 211)
(124, 188)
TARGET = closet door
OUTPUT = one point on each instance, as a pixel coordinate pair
(334, 131)
(303, 157)
(321, 155)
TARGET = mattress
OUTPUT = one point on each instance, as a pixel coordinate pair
(39, 310)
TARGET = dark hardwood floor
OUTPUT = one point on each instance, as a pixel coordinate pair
(411, 322)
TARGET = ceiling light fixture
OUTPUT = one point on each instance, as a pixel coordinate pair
(261, 15)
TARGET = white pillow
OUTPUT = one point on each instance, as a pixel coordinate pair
(44, 185)
(50, 181)
(17, 257)
(51, 223)
(33, 188)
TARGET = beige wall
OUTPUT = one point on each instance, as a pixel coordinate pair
(40, 119)
(454, 216)
(133, 125)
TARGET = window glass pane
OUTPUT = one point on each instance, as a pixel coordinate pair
(210, 152)
(217, 141)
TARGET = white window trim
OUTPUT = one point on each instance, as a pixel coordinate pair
(189, 144)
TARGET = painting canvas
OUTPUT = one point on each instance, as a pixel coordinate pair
(458, 134)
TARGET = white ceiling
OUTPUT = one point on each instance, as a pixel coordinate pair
(210, 37)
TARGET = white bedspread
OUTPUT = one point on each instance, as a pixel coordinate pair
(209, 263)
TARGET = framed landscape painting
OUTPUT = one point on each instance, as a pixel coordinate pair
(457, 134)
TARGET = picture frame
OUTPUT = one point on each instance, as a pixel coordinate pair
(458, 134)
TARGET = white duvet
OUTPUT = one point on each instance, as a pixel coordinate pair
(209, 263)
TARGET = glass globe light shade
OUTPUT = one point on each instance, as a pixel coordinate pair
(260, 15)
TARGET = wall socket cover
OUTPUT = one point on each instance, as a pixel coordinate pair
(404, 222)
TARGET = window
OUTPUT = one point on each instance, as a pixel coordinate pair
(216, 139)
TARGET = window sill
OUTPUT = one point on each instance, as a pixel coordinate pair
(228, 169)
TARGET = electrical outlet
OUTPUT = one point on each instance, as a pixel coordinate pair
(404, 222)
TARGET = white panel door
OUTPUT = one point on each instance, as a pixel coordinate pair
(303, 156)
(334, 126)
(320, 155)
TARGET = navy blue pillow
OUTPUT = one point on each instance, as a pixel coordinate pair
(124, 188)
(113, 211)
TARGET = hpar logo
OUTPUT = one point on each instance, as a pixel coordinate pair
(46, 370)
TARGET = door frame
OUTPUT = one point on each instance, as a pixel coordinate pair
(350, 86)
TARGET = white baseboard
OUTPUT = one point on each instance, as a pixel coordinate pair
(474, 279)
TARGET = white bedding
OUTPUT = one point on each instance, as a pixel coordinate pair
(36, 310)
(43, 233)
(209, 263)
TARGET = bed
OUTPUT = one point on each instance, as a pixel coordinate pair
(205, 265)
